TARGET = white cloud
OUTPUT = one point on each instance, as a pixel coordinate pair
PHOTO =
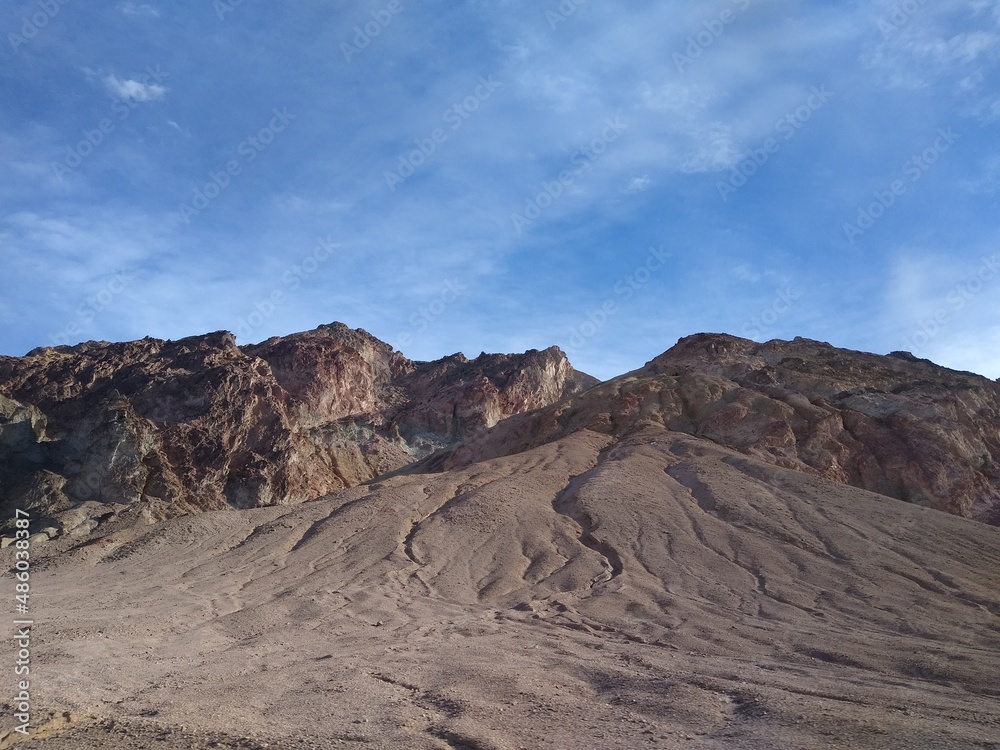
(714, 148)
(453, 219)
(132, 9)
(745, 273)
(562, 92)
(639, 184)
(987, 181)
(961, 48)
(933, 48)
(134, 90)
(685, 98)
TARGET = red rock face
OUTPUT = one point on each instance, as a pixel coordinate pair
(335, 372)
(199, 424)
(895, 425)
(202, 424)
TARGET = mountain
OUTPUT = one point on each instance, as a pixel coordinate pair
(157, 428)
(739, 545)
(894, 425)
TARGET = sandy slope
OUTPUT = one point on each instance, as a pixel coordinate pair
(654, 591)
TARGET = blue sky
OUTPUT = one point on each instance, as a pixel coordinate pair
(502, 175)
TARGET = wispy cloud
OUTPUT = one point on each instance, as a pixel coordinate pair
(639, 184)
(537, 139)
(135, 90)
(139, 9)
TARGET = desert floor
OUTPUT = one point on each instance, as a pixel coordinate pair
(656, 591)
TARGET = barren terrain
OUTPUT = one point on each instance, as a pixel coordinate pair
(651, 591)
(689, 556)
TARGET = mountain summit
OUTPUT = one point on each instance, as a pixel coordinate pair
(894, 425)
(737, 545)
(168, 427)
(156, 428)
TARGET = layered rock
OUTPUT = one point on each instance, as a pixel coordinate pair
(166, 427)
(895, 425)
(203, 424)
(652, 562)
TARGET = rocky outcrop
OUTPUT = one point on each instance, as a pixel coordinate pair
(895, 425)
(203, 424)
(155, 428)
(334, 372)
(195, 424)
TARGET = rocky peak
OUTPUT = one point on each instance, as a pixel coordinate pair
(201, 423)
(459, 397)
(333, 371)
(898, 426)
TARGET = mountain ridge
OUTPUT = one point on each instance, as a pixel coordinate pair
(201, 423)
(909, 430)
(688, 556)
(153, 428)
